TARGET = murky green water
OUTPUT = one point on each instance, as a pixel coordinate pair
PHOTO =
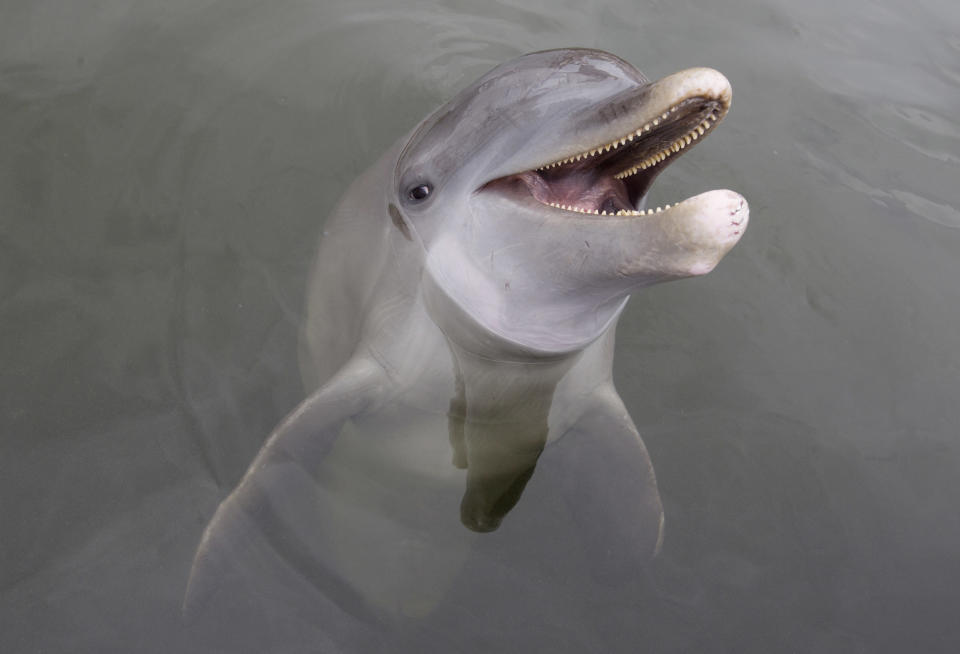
(165, 169)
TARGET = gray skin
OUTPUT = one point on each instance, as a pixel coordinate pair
(473, 329)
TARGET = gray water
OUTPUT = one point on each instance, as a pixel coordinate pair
(165, 170)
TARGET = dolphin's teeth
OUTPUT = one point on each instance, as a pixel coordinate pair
(597, 212)
(666, 207)
(652, 160)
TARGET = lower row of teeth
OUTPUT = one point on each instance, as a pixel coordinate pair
(621, 212)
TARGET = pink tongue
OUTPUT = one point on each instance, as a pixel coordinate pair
(583, 189)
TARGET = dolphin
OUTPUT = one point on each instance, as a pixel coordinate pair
(459, 341)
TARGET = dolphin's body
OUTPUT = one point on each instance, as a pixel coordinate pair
(460, 328)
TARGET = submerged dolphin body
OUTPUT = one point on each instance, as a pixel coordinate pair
(460, 329)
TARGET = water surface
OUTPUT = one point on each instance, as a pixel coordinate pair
(165, 170)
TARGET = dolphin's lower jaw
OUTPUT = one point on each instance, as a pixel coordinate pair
(650, 128)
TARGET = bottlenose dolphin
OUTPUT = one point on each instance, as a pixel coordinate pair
(460, 329)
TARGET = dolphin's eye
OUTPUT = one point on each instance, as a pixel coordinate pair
(419, 192)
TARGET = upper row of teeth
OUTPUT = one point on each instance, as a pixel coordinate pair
(621, 212)
(676, 146)
(612, 145)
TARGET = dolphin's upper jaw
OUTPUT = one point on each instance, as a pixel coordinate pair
(612, 177)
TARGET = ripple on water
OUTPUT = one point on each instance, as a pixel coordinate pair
(924, 208)
(918, 128)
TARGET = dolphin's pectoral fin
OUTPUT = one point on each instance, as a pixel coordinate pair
(248, 535)
(610, 487)
(501, 459)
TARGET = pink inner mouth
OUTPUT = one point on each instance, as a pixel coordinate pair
(584, 187)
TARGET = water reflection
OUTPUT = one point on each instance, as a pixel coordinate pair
(498, 428)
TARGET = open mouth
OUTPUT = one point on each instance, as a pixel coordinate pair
(612, 179)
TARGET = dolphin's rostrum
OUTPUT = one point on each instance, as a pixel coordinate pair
(464, 298)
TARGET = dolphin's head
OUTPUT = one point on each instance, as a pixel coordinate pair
(527, 192)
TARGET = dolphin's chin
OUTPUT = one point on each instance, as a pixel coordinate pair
(613, 177)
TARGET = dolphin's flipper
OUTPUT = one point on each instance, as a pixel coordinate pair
(251, 526)
(611, 493)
